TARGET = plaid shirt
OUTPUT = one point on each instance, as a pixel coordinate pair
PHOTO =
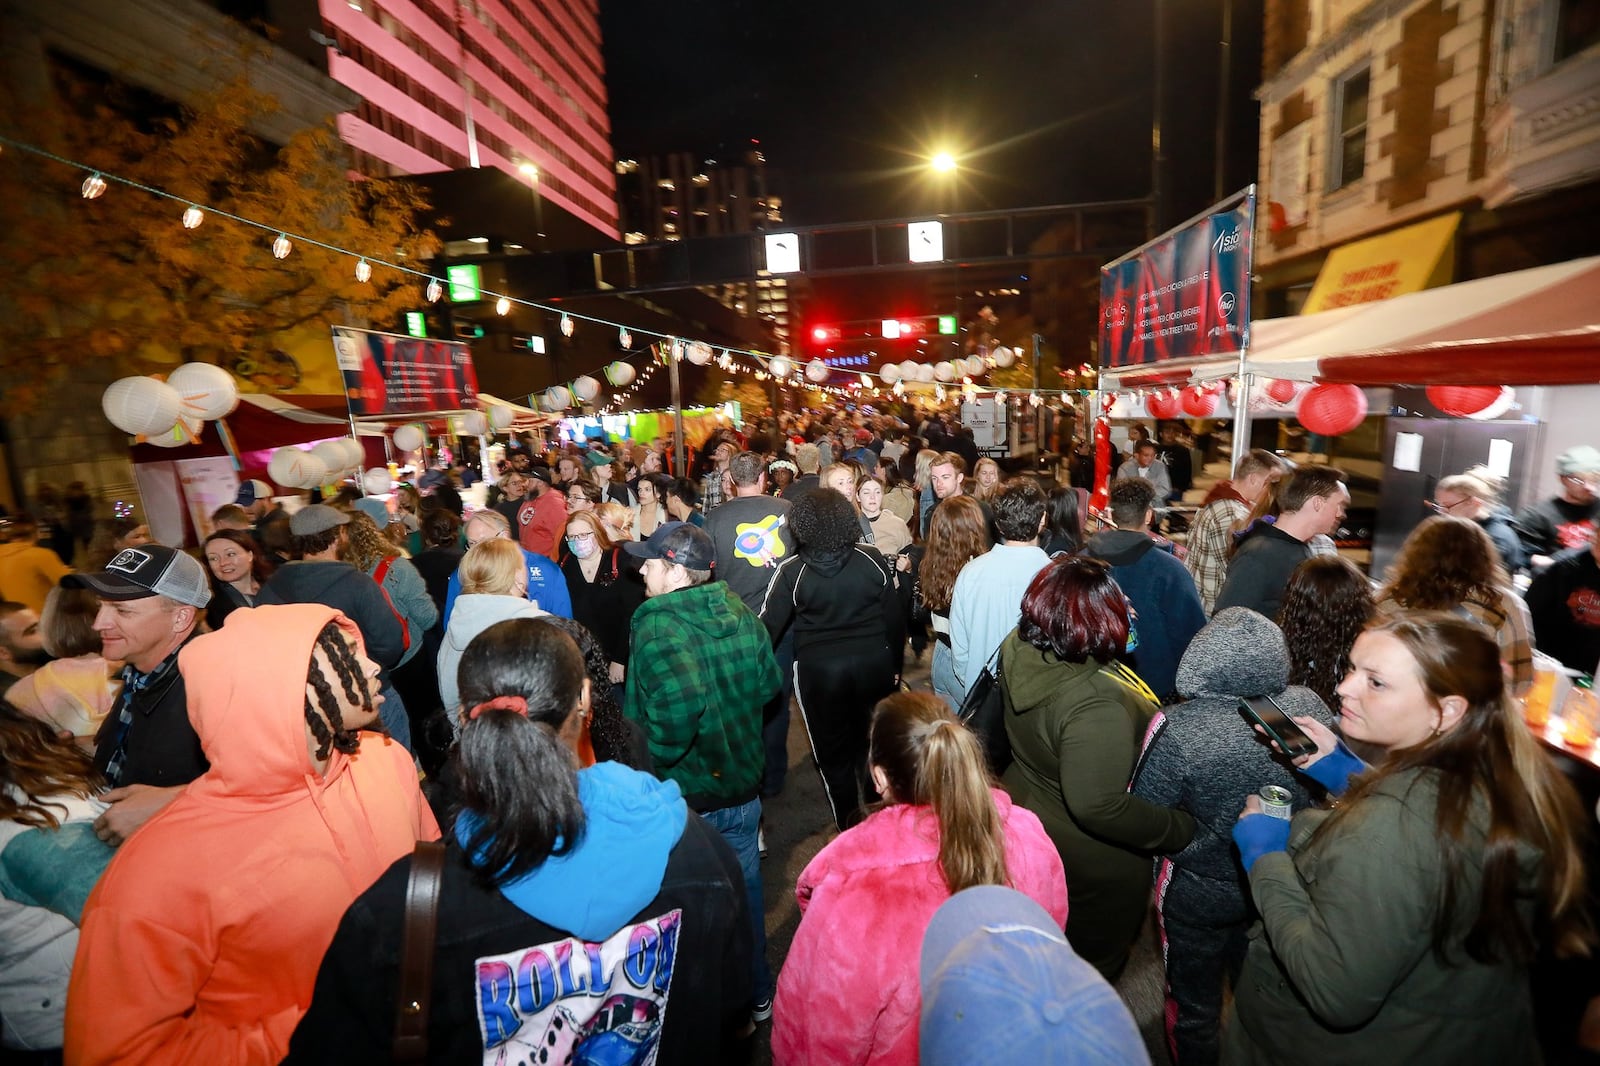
(1209, 540)
(700, 670)
(1511, 624)
(711, 487)
(133, 682)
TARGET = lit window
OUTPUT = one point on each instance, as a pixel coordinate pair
(667, 185)
(1348, 161)
(702, 179)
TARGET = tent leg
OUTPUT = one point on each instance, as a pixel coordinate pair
(1241, 418)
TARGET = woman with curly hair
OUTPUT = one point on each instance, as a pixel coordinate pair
(848, 639)
(1327, 603)
(957, 534)
(607, 735)
(1450, 564)
(46, 810)
(368, 550)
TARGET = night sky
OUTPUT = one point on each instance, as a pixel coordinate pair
(1045, 101)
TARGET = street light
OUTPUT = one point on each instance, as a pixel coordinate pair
(943, 162)
(531, 172)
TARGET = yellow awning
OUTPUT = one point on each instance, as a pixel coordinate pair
(1409, 259)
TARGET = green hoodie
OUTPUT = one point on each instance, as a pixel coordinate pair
(1075, 732)
(699, 672)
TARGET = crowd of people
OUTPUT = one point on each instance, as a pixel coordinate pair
(229, 776)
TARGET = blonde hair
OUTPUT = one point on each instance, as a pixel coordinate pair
(978, 489)
(931, 760)
(491, 567)
(615, 514)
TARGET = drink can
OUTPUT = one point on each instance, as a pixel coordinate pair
(1275, 802)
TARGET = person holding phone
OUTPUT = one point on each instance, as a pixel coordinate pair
(1392, 929)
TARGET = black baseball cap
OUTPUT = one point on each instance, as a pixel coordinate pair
(148, 570)
(677, 542)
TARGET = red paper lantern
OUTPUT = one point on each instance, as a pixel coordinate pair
(1163, 404)
(1280, 391)
(1463, 401)
(1199, 402)
(1329, 410)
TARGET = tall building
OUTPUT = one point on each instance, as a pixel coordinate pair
(518, 85)
(1408, 143)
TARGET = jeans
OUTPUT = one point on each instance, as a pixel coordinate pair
(392, 713)
(739, 825)
(775, 727)
(943, 676)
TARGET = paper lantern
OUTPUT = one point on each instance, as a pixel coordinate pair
(185, 431)
(333, 455)
(557, 398)
(943, 371)
(354, 454)
(585, 388)
(620, 374)
(781, 366)
(1500, 406)
(816, 371)
(295, 469)
(376, 481)
(1462, 401)
(1004, 357)
(908, 370)
(925, 373)
(1281, 391)
(1164, 404)
(501, 416)
(889, 373)
(975, 365)
(698, 353)
(1199, 402)
(473, 424)
(208, 391)
(141, 406)
(1329, 410)
(407, 438)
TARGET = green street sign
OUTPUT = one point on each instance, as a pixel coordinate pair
(947, 325)
(466, 283)
(416, 324)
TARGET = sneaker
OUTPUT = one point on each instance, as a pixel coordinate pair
(761, 840)
(762, 1011)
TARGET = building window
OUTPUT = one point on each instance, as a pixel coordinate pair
(1348, 159)
(1577, 27)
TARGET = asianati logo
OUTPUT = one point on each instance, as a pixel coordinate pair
(576, 1001)
(1227, 241)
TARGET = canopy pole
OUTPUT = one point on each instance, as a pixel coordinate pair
(361, 479)
(1241, 415)
(678, 467)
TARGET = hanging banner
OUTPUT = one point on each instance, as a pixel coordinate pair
(391, 374)
(1185, 294)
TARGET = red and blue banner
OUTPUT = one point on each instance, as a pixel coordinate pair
(1185, 294)
(389, 374)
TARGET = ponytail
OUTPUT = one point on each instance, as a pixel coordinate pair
(931, 760)
(521, 681)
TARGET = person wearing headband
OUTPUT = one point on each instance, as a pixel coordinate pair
(576, 906)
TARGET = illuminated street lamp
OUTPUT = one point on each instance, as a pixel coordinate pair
(943, 162)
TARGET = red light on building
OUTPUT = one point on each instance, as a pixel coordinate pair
(824, 334)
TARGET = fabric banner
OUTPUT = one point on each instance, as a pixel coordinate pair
(1183, 295)
(389, 374)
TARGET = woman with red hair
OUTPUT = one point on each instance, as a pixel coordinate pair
(1075, 717)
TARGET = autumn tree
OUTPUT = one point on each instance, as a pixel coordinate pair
(121, 277)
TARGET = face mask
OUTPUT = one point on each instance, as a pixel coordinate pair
(584, 548)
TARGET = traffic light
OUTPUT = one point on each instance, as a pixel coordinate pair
(947, 325)
(468, 331)
(825, 334)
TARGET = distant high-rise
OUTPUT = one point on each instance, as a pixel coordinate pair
(518, 85)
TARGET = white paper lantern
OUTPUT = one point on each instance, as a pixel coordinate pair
(908, 370)
(585, 388)
(408, 438)
(141, 406)
(294, 468)
(376, 481)
(974, 365)
(621, 374)
(185, 431)
(333, 456)
(889, 373)
(208, 391)
(698, 353)
(817, 371)
(354, 454)
(924, 373)
(781, 366)
(557, 398)
(1004, 357)
(500, 416)
(474, 424)
(944, 371)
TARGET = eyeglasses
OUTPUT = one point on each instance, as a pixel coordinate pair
(579, 538)
(1447, 508)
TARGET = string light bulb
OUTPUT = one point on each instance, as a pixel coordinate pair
(192, 217)
(434, 290)
(566, 324)
(363, 270)
(624, 338)
(502, 306)
(281, 247)
(93, 186)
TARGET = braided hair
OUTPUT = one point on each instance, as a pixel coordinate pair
(328, 727)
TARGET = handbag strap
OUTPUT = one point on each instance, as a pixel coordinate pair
(416, 953)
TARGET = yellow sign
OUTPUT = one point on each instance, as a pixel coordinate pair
(1407, 260)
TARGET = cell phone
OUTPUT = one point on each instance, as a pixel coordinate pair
(1265, 712)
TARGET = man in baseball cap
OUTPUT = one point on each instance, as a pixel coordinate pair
(1000, 984)
(1567, 520)
(151, 601)
(700, 671)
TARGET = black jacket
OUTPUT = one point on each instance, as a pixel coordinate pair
(162, 748)
(841, 602)
(346, 589)
(1259, 571)
(351, 1019)
(605, 606)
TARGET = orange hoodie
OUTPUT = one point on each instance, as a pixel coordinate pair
(202, 941)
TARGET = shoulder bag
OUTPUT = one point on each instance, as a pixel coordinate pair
(415, 991)
(984, 712)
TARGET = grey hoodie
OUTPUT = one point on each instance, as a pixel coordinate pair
(1201, 755)
(474, 612)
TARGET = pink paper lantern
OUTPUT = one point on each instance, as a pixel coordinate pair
(1329, 410)
(1199, 402)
